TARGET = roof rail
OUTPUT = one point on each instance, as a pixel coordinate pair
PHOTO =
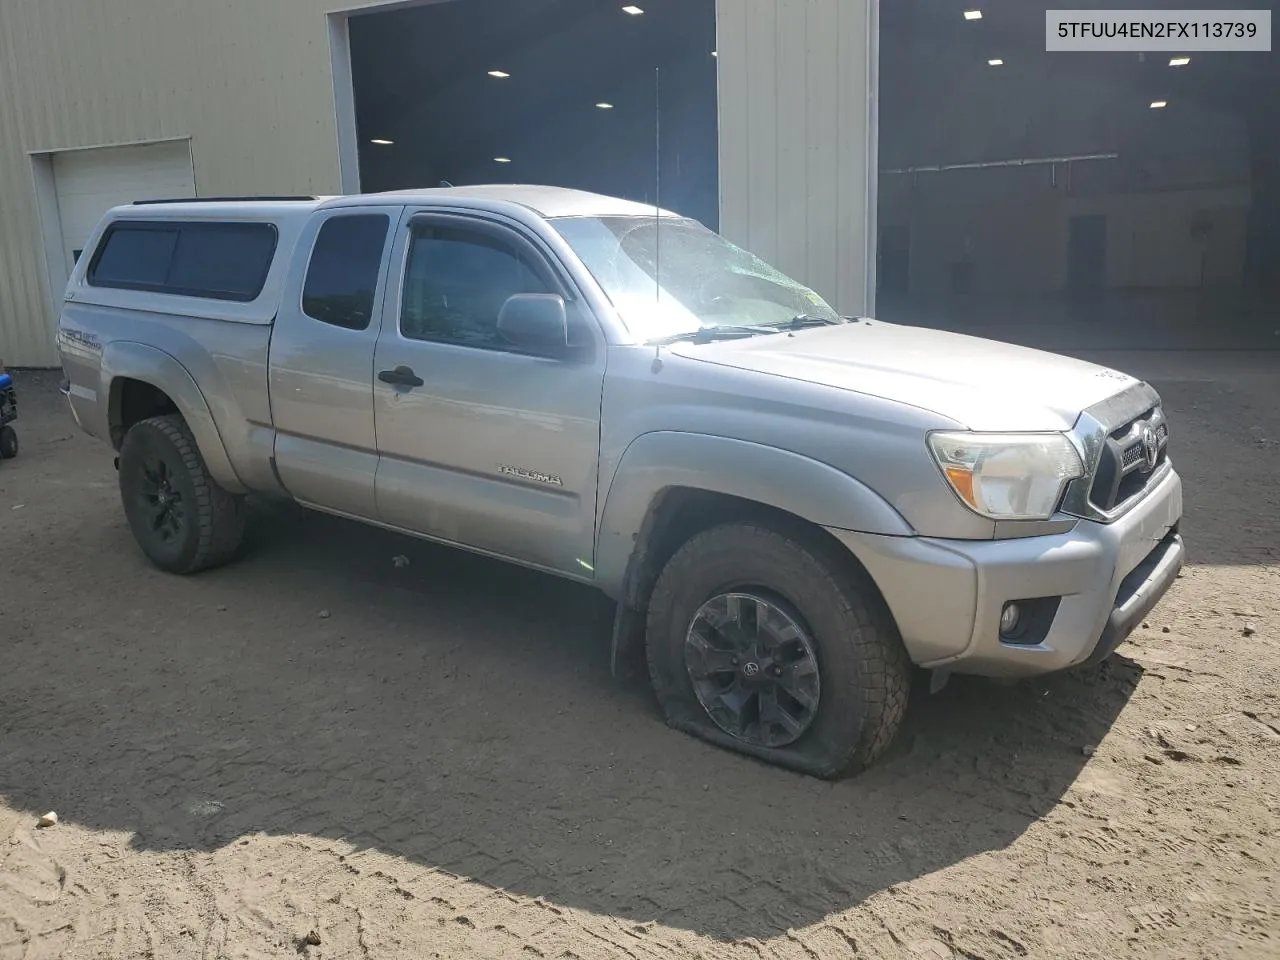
(139, 203)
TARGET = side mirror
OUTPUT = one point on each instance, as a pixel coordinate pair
(536, 322)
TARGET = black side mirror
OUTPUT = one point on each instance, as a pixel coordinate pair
(536, 322)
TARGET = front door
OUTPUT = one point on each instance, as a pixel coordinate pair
(481, 445)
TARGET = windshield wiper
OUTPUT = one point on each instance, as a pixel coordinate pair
(802, 320)
(719, 332)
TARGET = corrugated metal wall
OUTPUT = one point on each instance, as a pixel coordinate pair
(250, 83)
(797, 139)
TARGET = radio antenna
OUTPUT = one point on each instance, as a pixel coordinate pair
(657, 183)
(656, 367)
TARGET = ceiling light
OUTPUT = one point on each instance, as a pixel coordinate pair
(500, 74)
(501, 159)
(973, 14)
(382, 143)
(1179, 61)
(715, 53)
(1159, 104)
(632, 9)
(997, 62)
(604, 106)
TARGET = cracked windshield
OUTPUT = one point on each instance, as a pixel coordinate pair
(669, 276)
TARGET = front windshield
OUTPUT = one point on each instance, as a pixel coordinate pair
(673, 276)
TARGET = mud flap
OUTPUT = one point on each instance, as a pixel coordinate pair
(627, 657)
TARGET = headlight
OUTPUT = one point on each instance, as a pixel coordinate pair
(1008, 476)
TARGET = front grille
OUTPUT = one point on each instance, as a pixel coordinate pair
(1131, 454)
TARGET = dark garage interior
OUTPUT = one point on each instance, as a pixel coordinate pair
(585, 95)
(1063, 200)
(1073, 200)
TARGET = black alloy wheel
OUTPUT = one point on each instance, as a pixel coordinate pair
(160, 500)
(753, 668)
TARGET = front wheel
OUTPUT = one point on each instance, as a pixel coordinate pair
(8, 442)
(181, 518)
(776, 645)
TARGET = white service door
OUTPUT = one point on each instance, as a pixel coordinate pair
(91, 182)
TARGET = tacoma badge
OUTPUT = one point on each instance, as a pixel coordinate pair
(524, 474)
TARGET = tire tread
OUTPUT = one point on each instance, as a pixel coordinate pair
(219, 515)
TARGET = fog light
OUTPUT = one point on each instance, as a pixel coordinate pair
(1010, 617)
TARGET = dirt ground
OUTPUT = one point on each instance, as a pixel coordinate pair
(431, 760)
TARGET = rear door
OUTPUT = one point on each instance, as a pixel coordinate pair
(321, 370)
(482, 445)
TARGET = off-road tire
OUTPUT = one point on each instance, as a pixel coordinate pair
(8, 442)
(214, 520)
(864, 668)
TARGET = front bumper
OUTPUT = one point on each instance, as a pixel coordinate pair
(947, 595)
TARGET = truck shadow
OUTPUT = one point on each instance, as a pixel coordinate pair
(459, 714)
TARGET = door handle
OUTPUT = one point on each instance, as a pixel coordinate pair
(401, 377)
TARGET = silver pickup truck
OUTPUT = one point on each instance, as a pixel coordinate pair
(790, 507)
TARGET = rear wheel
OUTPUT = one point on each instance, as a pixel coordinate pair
(8, 442)
(181, 518)
(774, 644)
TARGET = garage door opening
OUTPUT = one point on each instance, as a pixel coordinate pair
(1074, 200)
(573, 93)
(75, 188)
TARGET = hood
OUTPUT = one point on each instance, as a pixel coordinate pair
(982, 384)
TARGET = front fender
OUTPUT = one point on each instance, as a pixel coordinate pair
(138, 361)
(654, 462)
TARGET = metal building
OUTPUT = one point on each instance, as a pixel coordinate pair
(104, 103)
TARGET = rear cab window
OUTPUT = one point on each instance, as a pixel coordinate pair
(342, 276)
(214, 260)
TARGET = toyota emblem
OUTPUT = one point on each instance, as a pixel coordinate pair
(1150, 448)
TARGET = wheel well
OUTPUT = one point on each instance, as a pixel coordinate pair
(133, 401)
(680, 513)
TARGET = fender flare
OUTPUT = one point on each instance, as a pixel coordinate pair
(123, 359)
(655, 462)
